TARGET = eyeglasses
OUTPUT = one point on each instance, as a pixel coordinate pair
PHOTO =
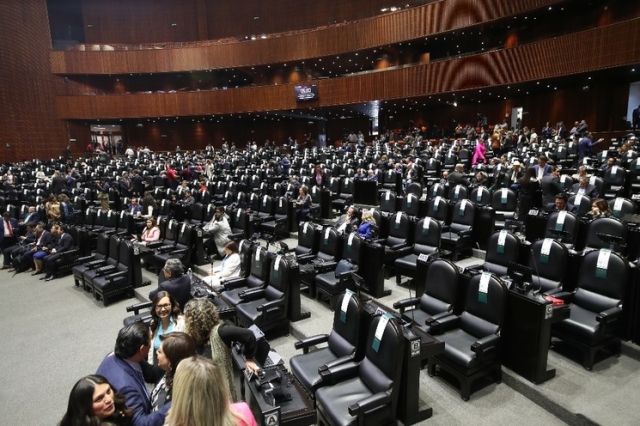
(163, 306)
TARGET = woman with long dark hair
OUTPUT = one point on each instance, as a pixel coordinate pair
(94, 402)
(174, 347)
(528, 186)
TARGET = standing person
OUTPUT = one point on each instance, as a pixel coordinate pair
(479, 153)
(176, 283)
(127, 369)
(550, 186)
(52, 208)
(93, 401)
(149, 205)
(214, 338)
(201, 397)
(303, 204)
(172, 177)
(319, 177)
(58, 182)
(67, 216)
(174, 348)
(528, 186)
(586, 144)
(102, 187)
(9, 235)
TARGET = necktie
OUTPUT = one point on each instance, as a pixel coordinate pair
(10, 230)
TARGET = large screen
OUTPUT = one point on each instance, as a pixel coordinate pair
(307, 92)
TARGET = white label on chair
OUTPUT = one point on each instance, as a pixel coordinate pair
(603, 259)
(326, 233)
(425, 223)
(638, 162)
(88, 210)
(258, 254)
(570, 144)
(578, 200)
(280, 203)
(503, 195)
(563, 178)
(614, 170)
(122, 213)
(484, 282)
(387, 195)
(184, 225)
(238, 213)
(239, 196)
(617, 204)
(592, 180)
(559, 149)
(630, 154)
(150, 210)
(306, 226)
(350, 240)
(562, 216)
(546, 247)
(264, 200)
(502, 237)
(463, 205)
(109, 214)
(398, 218)
(381, 326)
(99, 213)
(457, 191)
(345, 302)
(276, 265)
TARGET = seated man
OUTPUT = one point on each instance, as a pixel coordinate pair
(134, 208)
(188, 199)
(584, 188)
(65, 243)
(18, 249)
(32, 218)
(348, 221)
(128, 371)
(561, 203)
(175, 282)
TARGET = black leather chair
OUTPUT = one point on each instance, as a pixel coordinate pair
(307, 241)
(504, 201)
(602, 226)
(582, 204)
(440, 292)
(622, 206)
(596, 315)
(614, 182)
(118, 281)
(365, 392)
(426, 240)
(342, 345)
(438, 209)
(549, 266)
(345, 197)
(279, 225)
(457, 193)
(502, 250)
(388, 202)
(330, 284)
(410, 205)
(566, 222)
(399, 234)
(180, 249)
(267, 307)
(239, 224)
(98, 267)
(258, 278)
(481, 196)
(472, 340)
(458, 237)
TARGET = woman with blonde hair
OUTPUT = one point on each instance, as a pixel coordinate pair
(201, 397)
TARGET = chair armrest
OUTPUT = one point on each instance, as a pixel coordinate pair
(405, 303)
(95, 264)
(121, 274)
(234, 283)
(305, 344)
(466, 233)
(379, 241)
(610, 315)
(339, 373)
(398, 247)
(372, 402)
(336, 362)
(138, 307)
(179, 253)
(165, 249)
(447, 323)
(104, 270)
(154, 244)
(564, 295)
(305, 257)
(403, 251)
(270, 306)
(487, 343)
(346, 274)
(253, 294)
(84, 259)
(438, 317)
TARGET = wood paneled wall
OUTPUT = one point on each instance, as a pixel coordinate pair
(611, 46)
(381, 30)
(29, 122)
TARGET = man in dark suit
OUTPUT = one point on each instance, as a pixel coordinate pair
(125, 185)
(31, 218)
(17, 249)
(457, 176)
(43, 239)
(137, 184)
(128, 371)
(561, 203)
(542, 168)
(550, 186)
(175, 282)
(134, 207)
(65, 243)
(58, 183)
(584, 188)
(9, 233)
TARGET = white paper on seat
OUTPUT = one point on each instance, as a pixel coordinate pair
(183, 226)
(603, 259)
(306, 226)
(617, 204)
(563, 215)
(614, 170)
(457, 190)
(546, 247)
(578, 200)
(503, 195)
(238, 213)
(463, 205)
(484, 282)
(280, 203)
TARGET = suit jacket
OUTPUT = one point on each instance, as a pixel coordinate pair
(65, 243)
(570, 207)
(137, 209)
(590, 191)
(58, 183)
(547, 170)
(45, 241)
(13, 223)
(179, 288)
(550, 185)
(136, 185)
(126, 381)
(32, 218)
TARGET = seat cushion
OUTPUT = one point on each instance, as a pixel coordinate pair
(419, 318)
(457, 347)
(329, 282)
(450, 237)
(305, 367)
(334, 401)
(249, 310)
(582, 323)
(232, 297)
(104, 285)
(409, 262)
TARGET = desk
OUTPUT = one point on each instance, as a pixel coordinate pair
(526, 334)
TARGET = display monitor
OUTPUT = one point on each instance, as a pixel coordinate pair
(308, 92)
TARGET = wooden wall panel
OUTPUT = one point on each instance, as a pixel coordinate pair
(381, 30)
(27, 88)
(592, 50)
